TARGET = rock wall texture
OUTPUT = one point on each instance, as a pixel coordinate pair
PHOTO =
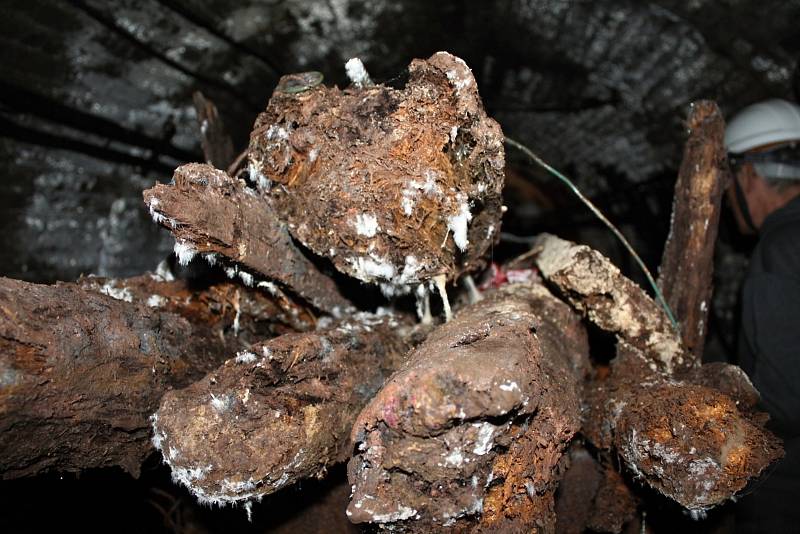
(96, 99)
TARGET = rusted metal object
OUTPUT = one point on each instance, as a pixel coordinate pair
(236, 313)
(688, 260)
(469, 432)
(279, 411)
(595, 287)
(82, 372)
(694, 444)
(592, 495)
(393, 186)
(214, 137)
(218, 216)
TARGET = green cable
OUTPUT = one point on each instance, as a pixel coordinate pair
(528, 152)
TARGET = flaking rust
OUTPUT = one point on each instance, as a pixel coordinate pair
(82, 372)
(689, 433)
(399, 188)
(218, 216)
(592, 495)
(238, 314)
(279, 411)
(468, 434)
(393, 186)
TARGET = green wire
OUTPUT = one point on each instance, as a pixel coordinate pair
(528, 152)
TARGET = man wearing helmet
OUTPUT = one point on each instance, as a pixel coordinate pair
(763, 141)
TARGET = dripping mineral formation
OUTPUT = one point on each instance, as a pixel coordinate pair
(393, 186)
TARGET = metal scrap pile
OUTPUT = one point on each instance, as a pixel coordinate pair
(288, 364)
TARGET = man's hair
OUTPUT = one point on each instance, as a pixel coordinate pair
(779, 167)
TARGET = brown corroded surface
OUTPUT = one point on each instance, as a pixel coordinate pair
(728, 379)
(689, 441)
(241, 314)
(595, 287)
(277, 412)
(592, 495)
(470, 431)
(688, 260)
(614, 505)
(214, 138)
(212, 213)
(577, 490)
(693, 443)
(394, 186)
(82, 372)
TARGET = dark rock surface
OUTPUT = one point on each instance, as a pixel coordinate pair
(96, 98)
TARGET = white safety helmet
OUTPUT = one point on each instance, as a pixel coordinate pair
(771, 122)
